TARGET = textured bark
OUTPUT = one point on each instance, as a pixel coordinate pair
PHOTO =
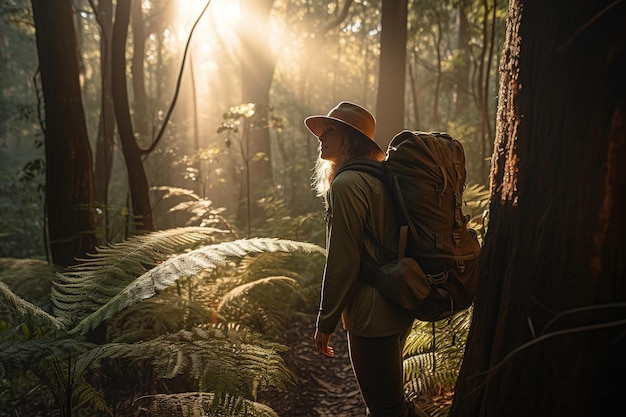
(137, 180)
(138, 79)
(391, 80)
(106, 128)
(69, 179)
(548, 331)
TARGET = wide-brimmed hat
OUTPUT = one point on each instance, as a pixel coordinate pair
(349, 114)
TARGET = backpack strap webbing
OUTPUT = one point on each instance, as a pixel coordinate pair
(397, 189)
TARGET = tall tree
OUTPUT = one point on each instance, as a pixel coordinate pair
(103, 11)
(69, 178)
(137, 180)
(257, 72)
(391, 81)
(548, 336)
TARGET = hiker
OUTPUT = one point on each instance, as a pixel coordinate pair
(358, 213)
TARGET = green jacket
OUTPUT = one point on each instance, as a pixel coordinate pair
(358, 202)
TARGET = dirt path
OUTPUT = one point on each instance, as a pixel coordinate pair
(326, 386)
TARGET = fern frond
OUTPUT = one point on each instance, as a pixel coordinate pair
(476, 199)
(85, 395)
(86, 287)
(206, 404)
(235, 361)
(265, 305)
(18, 356)
(183, 266)
(165, 313)
(258, 265)
(448, 359)
(418, 342)
(175, 192)
(425, 384)
(22, 311)
(30, 279)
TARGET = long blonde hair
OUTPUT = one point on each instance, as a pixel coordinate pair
(354, 145)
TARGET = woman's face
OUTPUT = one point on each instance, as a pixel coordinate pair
(331, 141)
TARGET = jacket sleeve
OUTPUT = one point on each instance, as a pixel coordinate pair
(349, 207)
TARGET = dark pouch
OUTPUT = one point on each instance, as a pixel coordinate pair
(403, 282)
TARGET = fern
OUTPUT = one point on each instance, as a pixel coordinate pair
(30, 279)
(86, 287)
(231, 360)
(433, 356)
(165, 313)
(206, 404)
(21, 311)
(183, 266)
(18, 356)
(148, 274)
(265, 305)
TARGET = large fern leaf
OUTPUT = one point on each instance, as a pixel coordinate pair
(233, 360)
(265, 305)
(30, 279)
(86, 287)
(19, 311)
(18, 356)
(183, 266)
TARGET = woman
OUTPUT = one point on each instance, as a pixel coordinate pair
(359, 219)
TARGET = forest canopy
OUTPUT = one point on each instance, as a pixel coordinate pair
(209, 97)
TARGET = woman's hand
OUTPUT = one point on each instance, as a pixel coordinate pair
(321, 343)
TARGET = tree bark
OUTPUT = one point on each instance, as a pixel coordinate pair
(391, 80)
(142, 118)
(106, 128)
(69, 178)
(548, 332)
(137, 180)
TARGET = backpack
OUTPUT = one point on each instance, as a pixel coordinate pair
(438, 275)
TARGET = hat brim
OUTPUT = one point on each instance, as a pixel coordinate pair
(316, 125)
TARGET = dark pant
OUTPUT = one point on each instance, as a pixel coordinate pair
(377, 365)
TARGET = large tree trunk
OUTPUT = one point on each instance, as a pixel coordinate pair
(391, 81)
(69, 178)
(548, 337)
(137, 180)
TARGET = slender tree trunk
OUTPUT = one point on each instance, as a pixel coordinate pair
(137, 180)
(141, 116)
(257, 72)
(392, 76)
(463, 46)
(69, 177)
(548, 337)
(106, 128)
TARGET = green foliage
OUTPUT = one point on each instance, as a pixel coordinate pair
(140, 292)
(30, 279)
(433, 355)
(207, 404)
(21, 218)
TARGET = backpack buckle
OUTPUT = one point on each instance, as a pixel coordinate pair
(456, 237)
(460, 266)
(458, 199)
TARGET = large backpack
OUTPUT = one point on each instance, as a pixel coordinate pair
(426, 172)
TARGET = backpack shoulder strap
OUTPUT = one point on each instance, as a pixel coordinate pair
(370, 166)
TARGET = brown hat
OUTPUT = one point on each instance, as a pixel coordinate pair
(349, 114)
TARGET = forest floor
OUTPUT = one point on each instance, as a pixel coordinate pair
(325, 386)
